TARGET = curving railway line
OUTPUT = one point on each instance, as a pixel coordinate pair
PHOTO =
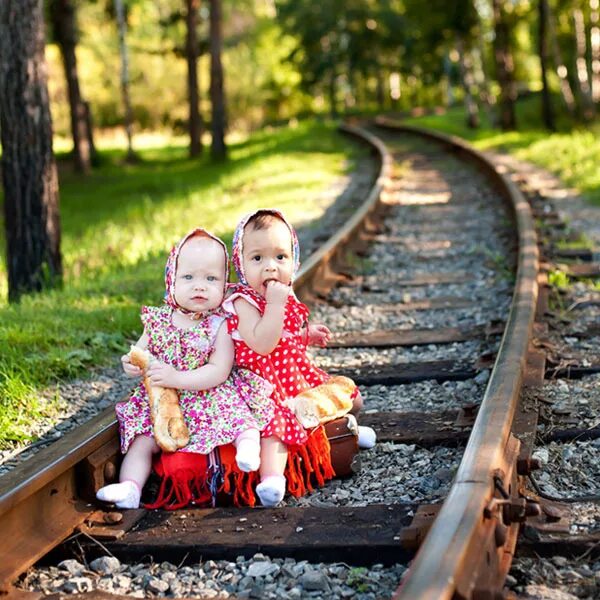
(434, 289)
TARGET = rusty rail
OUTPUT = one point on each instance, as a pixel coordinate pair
(469, 547)
(43, 501)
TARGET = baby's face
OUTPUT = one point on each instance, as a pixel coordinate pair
(200, 277)
(267, 255)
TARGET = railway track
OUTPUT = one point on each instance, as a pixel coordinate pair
(427, 313)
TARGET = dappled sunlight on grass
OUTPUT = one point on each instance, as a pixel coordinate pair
(122, 214)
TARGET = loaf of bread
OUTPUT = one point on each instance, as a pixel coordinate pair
(170, 430)
(324, 402)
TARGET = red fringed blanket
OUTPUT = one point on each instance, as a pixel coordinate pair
(208, 479)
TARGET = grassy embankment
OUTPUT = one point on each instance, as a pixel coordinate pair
(118, 225)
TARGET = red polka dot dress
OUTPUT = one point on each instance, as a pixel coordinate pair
(287, 367)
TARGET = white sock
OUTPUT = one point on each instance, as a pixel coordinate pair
(247, 455)
(366, 437)
(124, 495)
(271, 490)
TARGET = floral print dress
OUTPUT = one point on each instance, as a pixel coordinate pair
(214, 417)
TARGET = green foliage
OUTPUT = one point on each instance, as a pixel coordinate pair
(558, 279)
(118, 226)
(260, 84)
(358, 578)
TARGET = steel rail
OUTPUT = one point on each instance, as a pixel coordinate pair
(319, 259)
(450, 561)
(41, 501)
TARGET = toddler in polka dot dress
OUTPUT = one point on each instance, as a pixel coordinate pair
(270, 330)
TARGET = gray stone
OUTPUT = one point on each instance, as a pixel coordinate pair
(72, 566)
(313, 580)
(262, 569)
(245, 582)
(482, 377)
(257, 591)
(105, 565)
(158, 586)
(559, 561)
(77, 585)
(122, 582)
(288, 571)
(209, 566)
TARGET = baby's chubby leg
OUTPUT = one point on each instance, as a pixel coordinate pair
(135, 471)
(247, 454)
(271, 488)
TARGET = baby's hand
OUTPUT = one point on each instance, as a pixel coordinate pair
(130, 370)
(318, 334)
(162, 374)
(277, 292)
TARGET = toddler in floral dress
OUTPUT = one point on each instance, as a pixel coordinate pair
(270, 329)
(193, 353)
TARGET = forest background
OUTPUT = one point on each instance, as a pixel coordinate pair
(225, 105)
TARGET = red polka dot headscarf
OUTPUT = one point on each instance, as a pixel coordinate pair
(171, 269)
(238, 242)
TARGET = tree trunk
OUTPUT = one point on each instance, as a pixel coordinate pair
(122, 27)
(29, 173)
(466, 77)
(504, 67)
(481, 76)
(217, 94)
(595, 49)
(582, 79)
(332, 92)
(191, 51)
(89, 124)
(547, 113)
(62, 14)
(561, 68)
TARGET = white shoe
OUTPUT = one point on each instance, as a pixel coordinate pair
(271, 490)
(366, 437)
(124, 495)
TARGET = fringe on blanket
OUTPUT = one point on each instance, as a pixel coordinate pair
(214, 479)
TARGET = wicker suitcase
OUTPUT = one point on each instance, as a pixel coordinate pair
(343, 441)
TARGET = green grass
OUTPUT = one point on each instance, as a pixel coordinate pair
(572, 153)
(118, 225)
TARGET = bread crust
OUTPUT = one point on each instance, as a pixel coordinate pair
(323, 403)
(170, 431)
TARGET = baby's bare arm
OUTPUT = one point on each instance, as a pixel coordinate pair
(261, 333)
